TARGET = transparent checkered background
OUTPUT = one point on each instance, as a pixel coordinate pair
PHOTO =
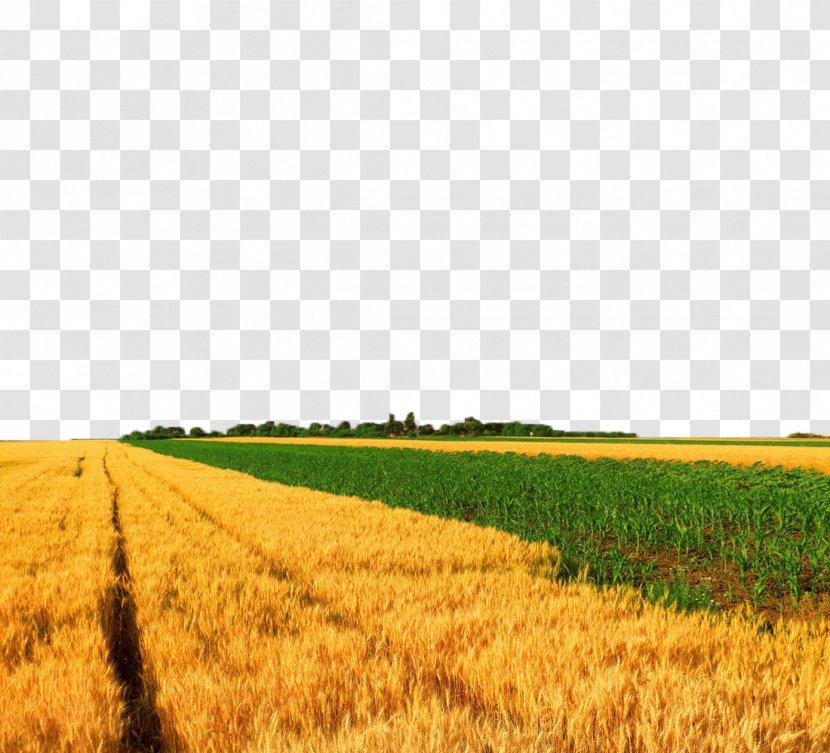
(599, 215)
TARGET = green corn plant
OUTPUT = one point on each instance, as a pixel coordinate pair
(758, 591)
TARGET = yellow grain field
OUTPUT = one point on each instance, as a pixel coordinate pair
(274, 618)
(57, 692)
(789, 457)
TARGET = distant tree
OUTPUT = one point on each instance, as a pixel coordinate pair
(393, 427)
(265, 429)
(473, 427)
(369, 430)
(157, 432)
(515, 429)
(469, 427)
(343, 429)
(284, 430)
(242, 430)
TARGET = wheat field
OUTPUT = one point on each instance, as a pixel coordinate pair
(261, 617)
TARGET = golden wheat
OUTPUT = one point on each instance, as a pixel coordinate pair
(789, 457)
(57, 691)
(280, 618)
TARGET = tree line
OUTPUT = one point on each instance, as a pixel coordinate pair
(392, 427)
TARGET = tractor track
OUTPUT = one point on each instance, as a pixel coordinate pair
(141, 732)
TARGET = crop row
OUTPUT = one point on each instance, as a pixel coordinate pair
(701, 534)
(58, 691)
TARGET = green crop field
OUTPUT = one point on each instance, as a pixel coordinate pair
(696, 535)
